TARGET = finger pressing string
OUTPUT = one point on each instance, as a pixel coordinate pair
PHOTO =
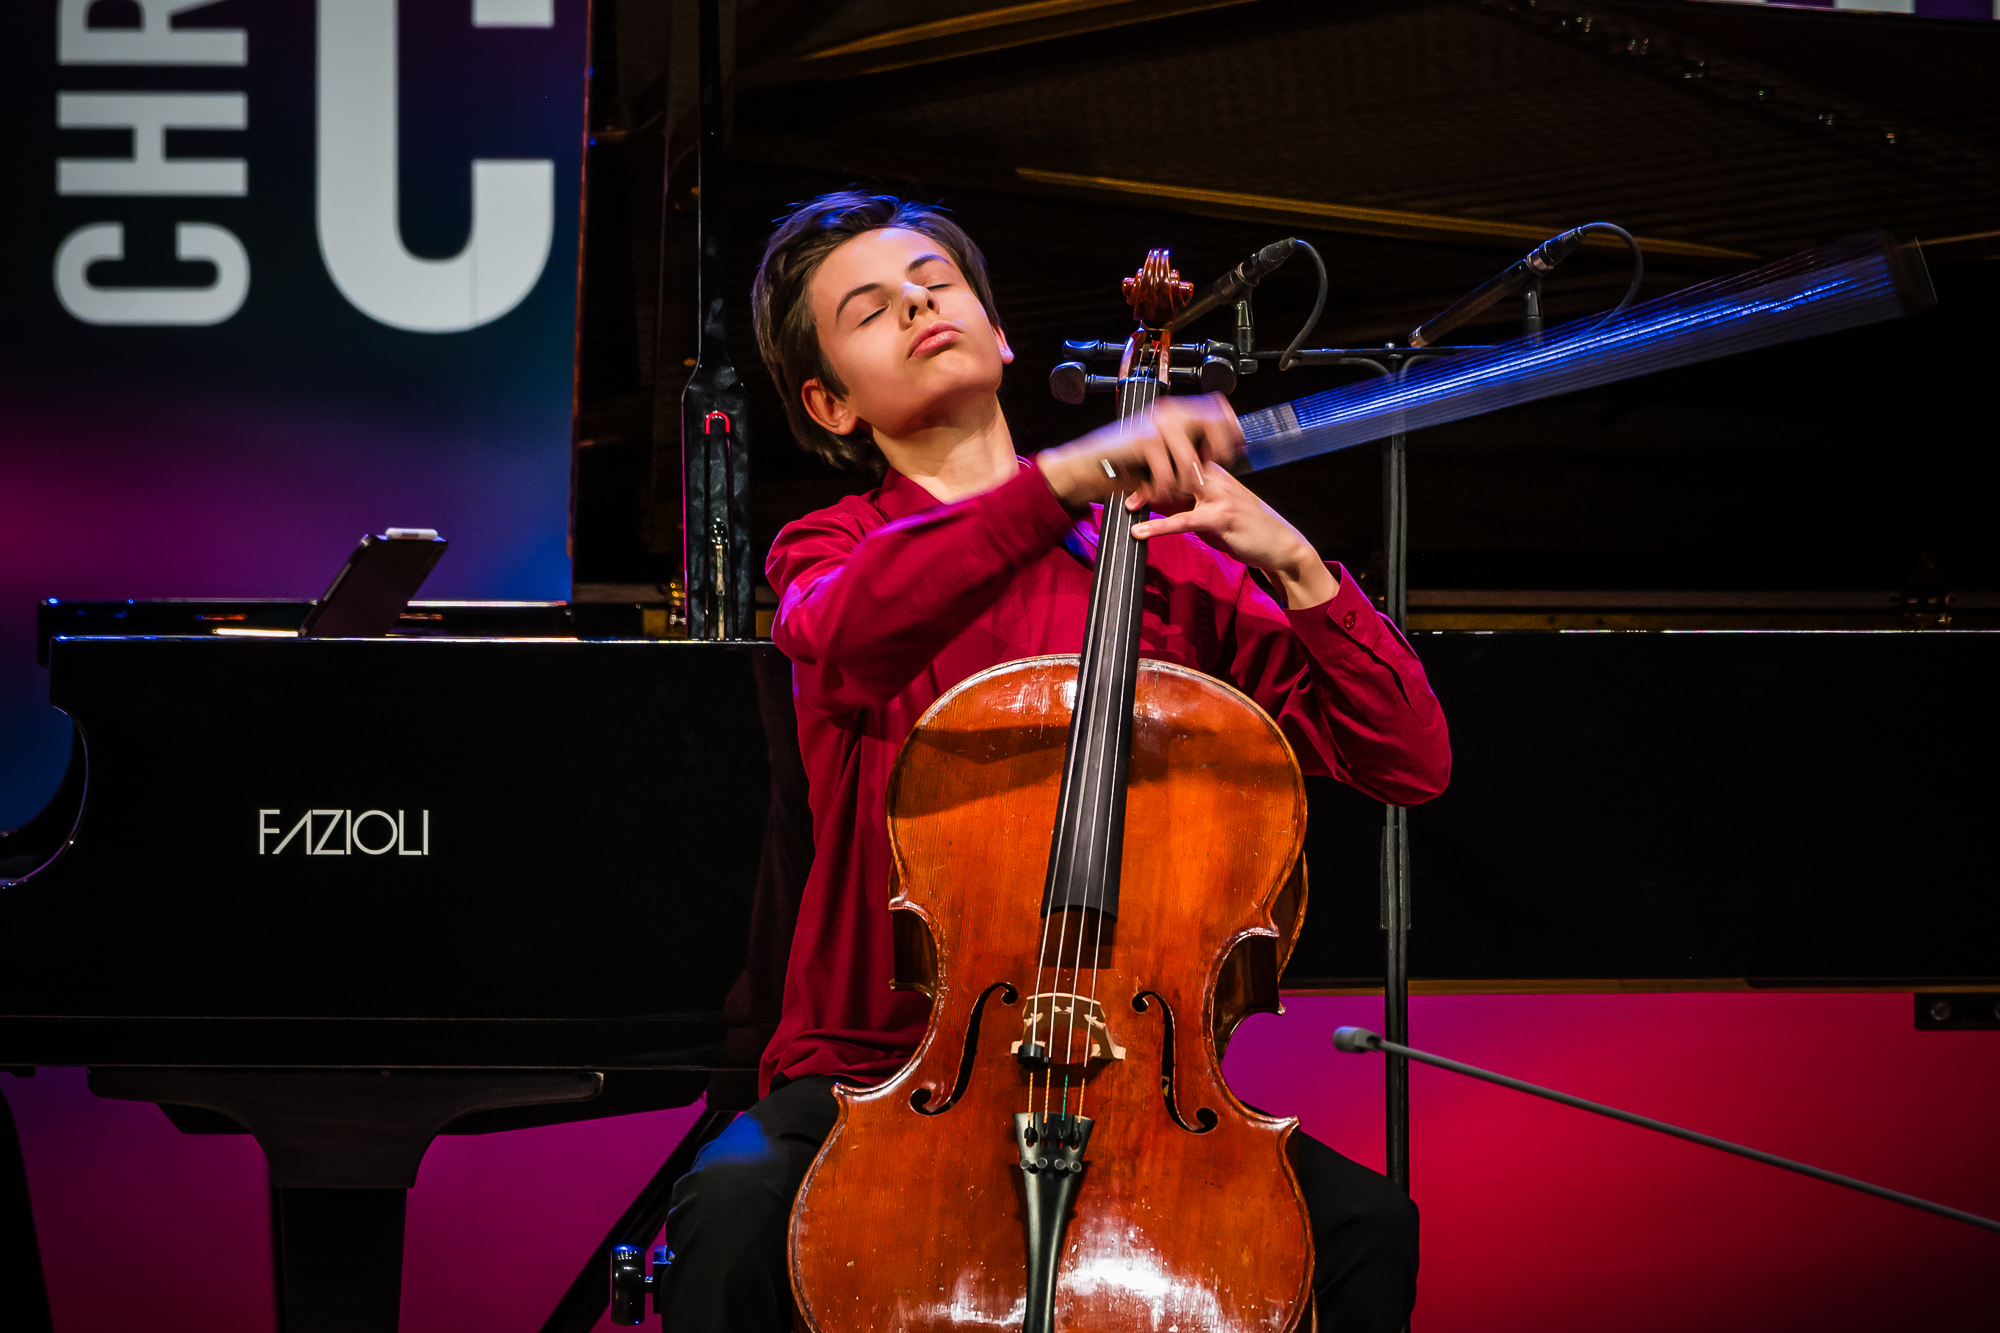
(1162, 527)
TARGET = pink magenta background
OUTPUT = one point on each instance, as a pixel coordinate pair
(1535, 1216)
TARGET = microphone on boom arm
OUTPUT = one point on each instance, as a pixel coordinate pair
(1522, 276)
(1234, 287)
(1237, 283)
(1071, 381)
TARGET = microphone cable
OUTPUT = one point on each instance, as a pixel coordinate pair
(1290, 357)
(1526, 276)
(1638, 266)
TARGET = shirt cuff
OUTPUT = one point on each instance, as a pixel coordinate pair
(1346, 624)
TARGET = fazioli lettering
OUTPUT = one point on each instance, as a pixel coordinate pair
(333, 826)
(304, 820)
(361, 822)
(344, 832)
(423, 847)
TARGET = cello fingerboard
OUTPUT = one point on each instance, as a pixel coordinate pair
(1088, 843)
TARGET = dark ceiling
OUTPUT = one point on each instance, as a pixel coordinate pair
(1421, 145)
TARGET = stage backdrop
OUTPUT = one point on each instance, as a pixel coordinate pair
(277, 274)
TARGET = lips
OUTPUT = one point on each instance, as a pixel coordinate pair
(935, 338)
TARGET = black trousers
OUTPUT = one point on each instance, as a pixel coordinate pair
(731, 1215)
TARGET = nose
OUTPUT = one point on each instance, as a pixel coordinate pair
(916, 301)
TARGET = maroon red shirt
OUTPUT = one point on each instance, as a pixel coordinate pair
(887, 600)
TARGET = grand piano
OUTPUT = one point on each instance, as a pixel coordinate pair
(519, 880)
(509, 864)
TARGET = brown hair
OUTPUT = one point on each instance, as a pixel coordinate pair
(782, 315)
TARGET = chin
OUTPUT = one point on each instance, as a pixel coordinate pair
(965, 379)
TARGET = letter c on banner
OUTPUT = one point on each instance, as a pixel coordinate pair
(194, 242)
(360, 231)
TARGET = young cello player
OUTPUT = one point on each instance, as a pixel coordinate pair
(877, 323)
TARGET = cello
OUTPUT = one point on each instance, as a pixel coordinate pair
(1097, 872)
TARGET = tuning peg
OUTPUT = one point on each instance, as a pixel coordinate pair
(1217, 375)
(1214, 375)
(1070, 382)
(1093, 350)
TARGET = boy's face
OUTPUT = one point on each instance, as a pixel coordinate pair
(906, 334)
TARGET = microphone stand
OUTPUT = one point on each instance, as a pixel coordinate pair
(1392, 362)
(1358, 1041)
(1216, 368)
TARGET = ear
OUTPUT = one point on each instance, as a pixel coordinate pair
(829, 411)
(1006, 352)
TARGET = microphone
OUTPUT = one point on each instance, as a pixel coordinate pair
(1231, 286)
(1536, 265)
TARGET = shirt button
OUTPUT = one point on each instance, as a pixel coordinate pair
(1347, 621)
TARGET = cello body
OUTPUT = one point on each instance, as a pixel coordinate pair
(921, 1210)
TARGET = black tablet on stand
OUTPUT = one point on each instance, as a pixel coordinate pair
(375, 584)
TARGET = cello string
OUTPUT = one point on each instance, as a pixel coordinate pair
(1118, 533)
(1110, 551)
(1061, 853)
(1130, 614)
(1126, 556)
(1112, 558)
(1077, 763)
(1089, 762)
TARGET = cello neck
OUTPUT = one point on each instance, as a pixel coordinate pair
(1089, 839)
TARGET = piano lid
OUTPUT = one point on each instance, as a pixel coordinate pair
(418, 851)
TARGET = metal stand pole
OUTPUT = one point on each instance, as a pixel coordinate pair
(23, 1293)
(583, 1305)
(1396, 833)
(715, 527)
(1356, 1040)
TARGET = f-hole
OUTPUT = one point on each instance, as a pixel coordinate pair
(921, 1098)
(1205, 1119)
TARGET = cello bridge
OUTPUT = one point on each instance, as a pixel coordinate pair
(1051, 1026)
